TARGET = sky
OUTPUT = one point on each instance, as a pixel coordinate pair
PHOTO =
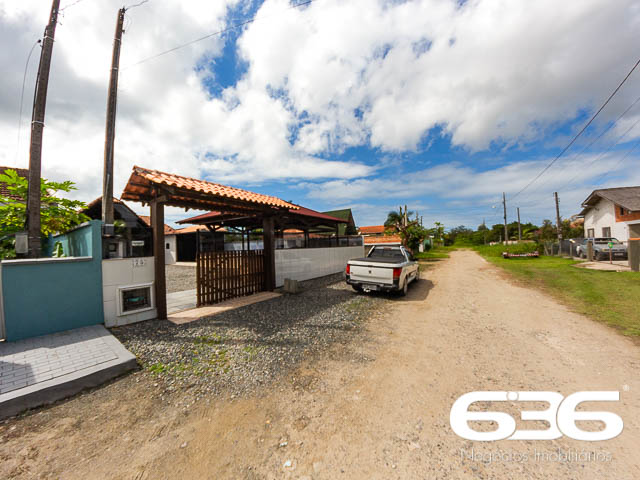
(369, 104)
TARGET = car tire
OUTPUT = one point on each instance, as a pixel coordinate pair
(357, 288)
(583, 255)
(405, 288)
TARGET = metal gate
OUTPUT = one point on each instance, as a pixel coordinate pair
(224, 275)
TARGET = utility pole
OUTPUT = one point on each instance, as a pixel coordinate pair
(506, 231)
(519, 227)
(37, 128)
(484, 231)
(405, 216)
(558, 224)
(110, 130)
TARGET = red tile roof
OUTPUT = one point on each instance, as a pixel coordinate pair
(167, 229)
(141, 180)
(383, 239)
(22, 172)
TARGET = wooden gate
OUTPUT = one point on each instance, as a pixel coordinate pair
(224, 275)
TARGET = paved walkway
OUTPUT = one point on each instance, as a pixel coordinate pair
(44, 369)
(179, 301)
(616, 266)
(194, 314)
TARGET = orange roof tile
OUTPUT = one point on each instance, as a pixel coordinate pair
(167, 229)
(373, 229)
(382, 239)
(137, 191)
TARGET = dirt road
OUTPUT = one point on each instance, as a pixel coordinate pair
(381, 408)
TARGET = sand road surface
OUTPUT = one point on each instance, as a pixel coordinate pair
(379, 408)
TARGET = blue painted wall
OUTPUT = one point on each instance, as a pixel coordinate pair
(42, 297)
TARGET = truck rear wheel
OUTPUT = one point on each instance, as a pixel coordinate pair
(357, 288)
(405, 288)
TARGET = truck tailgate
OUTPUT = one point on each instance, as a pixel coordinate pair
(372, 273)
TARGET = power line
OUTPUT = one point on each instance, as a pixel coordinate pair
(635, 145)
(219, 32)
(602, 154)
(24, 79)
(580, 132)
(590, 144)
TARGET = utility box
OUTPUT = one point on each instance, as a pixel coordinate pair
(291, 286)
(633, 251)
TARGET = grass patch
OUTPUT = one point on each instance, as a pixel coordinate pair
(608, 297)
(435, 253)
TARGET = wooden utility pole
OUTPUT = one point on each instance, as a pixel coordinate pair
(406, 220)
(484, 231)
(110, 130)
(558, 224)
(37, 128)
(519, 227)
(506, 231)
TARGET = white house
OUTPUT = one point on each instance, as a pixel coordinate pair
(612, 212)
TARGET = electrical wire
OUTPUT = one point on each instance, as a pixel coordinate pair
(611, 170)
(24, 79)
(579, 133)
(602, 154)
(589, 145)
(213, 34)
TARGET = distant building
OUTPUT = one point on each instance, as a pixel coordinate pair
(22, 172)
(612, 212)
(345, 214)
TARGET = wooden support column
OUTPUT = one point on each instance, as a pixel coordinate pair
(269, 254)
(157, 223)
(306, 238)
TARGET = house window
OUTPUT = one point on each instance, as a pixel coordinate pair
(591, 232)
(621, 210)
(606, 231)
(168, 247)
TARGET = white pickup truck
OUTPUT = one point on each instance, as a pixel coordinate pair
(383, 269)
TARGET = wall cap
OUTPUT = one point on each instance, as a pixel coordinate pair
(40, 261)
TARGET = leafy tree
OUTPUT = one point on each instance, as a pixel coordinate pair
(57, 214)
(394, 218)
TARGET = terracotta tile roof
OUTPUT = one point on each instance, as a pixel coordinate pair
(167, 229)
(373, 229)
(22, 172)
(191, 229)
(378, 240)
(142, 179)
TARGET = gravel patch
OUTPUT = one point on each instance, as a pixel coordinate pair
(240, 350)
(180, 278)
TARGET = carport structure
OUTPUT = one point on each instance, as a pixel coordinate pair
(159, 189)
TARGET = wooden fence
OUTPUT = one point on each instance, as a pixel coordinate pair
(225, 275)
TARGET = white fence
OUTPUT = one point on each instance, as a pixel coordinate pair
(308, 263)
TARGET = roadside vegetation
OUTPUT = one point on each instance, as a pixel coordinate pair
(608, 297)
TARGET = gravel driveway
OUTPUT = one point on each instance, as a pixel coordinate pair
(180, 278)
(241, 349)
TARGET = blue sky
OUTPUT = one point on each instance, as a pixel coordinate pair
(439, 105)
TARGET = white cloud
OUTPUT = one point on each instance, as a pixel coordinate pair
(319, 79)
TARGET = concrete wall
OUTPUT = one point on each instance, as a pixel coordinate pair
(47, 295)
(603, 215)
(118, 273)
(171, 253)
(308, 263)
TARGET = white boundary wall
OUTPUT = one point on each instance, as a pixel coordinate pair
(118, 273)
(308, 263)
